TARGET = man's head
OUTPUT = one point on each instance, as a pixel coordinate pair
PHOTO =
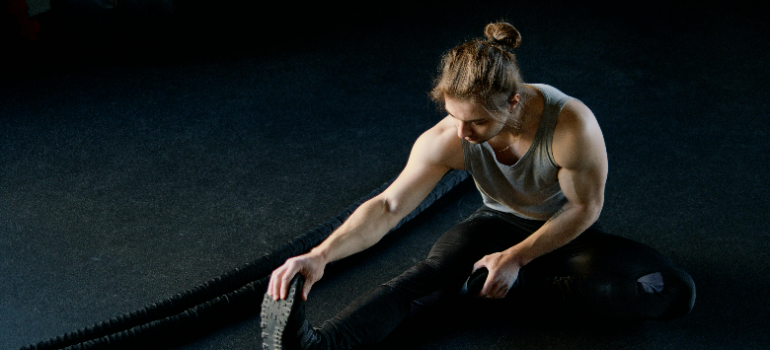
(482, 73)
(476, 123)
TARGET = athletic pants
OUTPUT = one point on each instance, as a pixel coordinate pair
(596, 275)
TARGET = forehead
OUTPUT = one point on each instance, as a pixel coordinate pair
(465, 110)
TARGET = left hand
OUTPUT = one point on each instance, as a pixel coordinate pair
(503, 272)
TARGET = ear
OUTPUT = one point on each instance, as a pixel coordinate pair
(514, 100)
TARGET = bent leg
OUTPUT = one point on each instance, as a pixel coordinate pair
(609, 277)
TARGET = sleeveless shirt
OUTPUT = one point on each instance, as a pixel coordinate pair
(530, 187)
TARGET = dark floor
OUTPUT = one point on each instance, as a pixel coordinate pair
(148, 150)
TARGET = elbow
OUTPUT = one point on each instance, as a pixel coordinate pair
(384, 205)
(591, 211)
(389, 209)
(593, 214)
(390, 206)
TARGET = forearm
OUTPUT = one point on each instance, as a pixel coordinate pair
(364, 228)
(564, 226)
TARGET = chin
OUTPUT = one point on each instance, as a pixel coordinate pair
(476, 141)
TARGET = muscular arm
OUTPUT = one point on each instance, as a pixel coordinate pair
(435, 152)
(372, 220)
(579, 150)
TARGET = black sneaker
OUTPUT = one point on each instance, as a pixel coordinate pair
(284, 326)
(475, 283)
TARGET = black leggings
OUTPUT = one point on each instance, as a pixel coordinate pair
(597, 275)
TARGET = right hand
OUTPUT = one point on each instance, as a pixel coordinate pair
(503, 270)
(310, 265)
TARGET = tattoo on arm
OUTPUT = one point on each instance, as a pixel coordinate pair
(557, 213)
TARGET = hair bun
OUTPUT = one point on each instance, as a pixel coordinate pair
(503, 33)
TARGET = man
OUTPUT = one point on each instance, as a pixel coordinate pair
(539, 160)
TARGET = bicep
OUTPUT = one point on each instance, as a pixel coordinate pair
(584, 186)
(426, 166)
(583, 158)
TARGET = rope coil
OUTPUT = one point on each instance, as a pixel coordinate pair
(239, 289)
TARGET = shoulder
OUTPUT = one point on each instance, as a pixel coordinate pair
(577, 137)
(440, 145)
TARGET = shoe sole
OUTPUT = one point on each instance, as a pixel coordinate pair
(275, 316)
(475, 283)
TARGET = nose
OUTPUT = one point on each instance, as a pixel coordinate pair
(462, 130)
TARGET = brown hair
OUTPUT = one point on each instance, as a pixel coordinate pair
(480, 70)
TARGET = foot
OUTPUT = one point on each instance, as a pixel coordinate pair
(284, 326)
(475, 283)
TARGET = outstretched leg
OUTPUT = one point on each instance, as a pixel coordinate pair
(373, 316)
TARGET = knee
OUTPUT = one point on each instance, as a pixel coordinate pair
(675, 299)
(685, 296)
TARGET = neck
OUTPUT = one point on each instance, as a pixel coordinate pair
(522, 113)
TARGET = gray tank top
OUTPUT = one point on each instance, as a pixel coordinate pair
(530, 187)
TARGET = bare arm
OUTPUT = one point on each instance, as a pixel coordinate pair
(434, 153)
(370, 222)
(578, 147)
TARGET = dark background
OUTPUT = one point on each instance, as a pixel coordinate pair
(150, 146)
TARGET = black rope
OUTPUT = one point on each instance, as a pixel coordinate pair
(239, 290)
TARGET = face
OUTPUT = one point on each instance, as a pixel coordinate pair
(473, 121)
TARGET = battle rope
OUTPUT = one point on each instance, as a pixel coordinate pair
(240, 289)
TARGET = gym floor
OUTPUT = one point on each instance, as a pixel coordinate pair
(145, 150)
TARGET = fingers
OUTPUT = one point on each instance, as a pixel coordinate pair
(285, 280)
(489, 285)
(497, 285)
(502, 274)
(479, 264)
(271, 285)
(306, 288)
(274, 286)
(494, 289)
(280, 279)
